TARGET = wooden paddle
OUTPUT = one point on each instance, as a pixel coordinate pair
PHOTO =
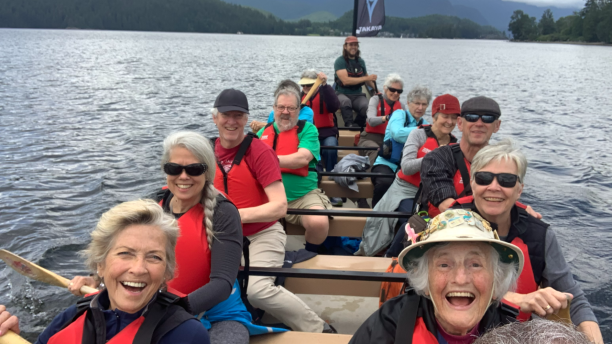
(312, 91)
(33, 271)
(12, 338)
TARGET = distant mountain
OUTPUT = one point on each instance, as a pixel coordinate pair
(496, 13)
(318, 17)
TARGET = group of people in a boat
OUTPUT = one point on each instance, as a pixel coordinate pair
(167, 269)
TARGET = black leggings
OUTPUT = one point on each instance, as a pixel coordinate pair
(381, 184)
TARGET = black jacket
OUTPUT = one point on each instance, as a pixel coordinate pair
(382, 326)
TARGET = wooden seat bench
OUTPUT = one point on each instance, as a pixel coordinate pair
(293, 337)
(346, 137)
(349, 226)
(333, 189)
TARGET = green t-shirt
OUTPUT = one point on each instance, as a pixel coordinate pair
(341, 64)
(297, 186)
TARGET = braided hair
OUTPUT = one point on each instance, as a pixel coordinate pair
(202, 150)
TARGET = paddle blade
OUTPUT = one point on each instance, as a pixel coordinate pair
(31, 270)
(563, 316)
(12, 338)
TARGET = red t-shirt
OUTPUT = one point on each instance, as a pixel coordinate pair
(263, 163)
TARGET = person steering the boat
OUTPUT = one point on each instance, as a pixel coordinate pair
(401, 124)
(546, 284)
(296, 144)
(350, 75)
(248, 171)
(378, 231)
(132, 250)
(379, 112)
(209, 249)
(459, 270)
(306, 113)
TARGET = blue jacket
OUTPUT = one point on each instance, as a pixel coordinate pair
(189, 332)
(397, 132)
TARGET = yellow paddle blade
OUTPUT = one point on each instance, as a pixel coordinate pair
(33, 271)
(12, 338)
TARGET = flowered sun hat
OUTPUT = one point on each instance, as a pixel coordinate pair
(459, 225)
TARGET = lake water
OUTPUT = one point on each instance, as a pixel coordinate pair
(83, 115)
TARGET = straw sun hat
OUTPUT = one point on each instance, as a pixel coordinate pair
(459, 225)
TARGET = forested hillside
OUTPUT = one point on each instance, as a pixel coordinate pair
(213, 16)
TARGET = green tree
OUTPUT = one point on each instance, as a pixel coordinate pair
(547, 23)
(522, 26)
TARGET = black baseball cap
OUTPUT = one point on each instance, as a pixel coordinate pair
(231, 100)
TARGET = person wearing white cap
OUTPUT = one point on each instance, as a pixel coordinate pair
(459, 271)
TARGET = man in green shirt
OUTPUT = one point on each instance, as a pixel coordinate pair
(296, 144)
(350, 74)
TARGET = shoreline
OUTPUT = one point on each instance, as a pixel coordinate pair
(564, 42)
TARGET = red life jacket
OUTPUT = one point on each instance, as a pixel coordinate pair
(285, 143)
(430, 144)
(526, 282)
(77, 332)
(458, 181)
(421, 334)
(245, 190)
(387, 110)
(192, 252)
(322, 118)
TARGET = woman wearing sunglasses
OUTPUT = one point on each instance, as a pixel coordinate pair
(209, 249)
(497, 180)
(379, 111)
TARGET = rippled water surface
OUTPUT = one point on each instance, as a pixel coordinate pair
(83, 115)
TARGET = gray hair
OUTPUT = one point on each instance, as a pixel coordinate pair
(419, 92)
(504, 274)
(309, 74)
(393, 78)
(214, 112)
(201, 149)
(503, 150)
(287, 83)
(536, 331)
(288, 92)
(141, 212)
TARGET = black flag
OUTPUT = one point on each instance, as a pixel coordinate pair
(370, 17)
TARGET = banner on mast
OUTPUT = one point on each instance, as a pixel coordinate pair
(370, 17)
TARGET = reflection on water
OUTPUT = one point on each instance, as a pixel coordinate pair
(83, 115)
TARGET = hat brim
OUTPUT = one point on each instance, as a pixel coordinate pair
(306, 81)
(228, 108)
(508, 253)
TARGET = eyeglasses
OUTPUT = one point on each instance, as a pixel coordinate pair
(472, 117)
(193, 170)
(283, 108)
(309, 85)
(395, 90)
(506, 180)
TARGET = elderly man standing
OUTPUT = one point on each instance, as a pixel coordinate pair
(249, 172)
(297, 145)
(351, 74)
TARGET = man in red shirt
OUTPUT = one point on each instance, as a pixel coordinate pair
(249, 172)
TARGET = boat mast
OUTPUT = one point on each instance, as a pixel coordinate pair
(355, 17)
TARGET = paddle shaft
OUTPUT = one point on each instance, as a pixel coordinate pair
(12, 338)
(312, 91)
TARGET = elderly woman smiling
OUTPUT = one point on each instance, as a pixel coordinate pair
(132, 251)
(546, 285)
(459, 269)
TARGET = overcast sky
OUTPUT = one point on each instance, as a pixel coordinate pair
(557, 3)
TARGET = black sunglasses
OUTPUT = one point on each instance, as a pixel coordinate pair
(395, 90)
(309, 85)
(193, 170)
(506, 180)
(472, 117)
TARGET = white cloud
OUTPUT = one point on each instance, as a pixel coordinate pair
(557, 3)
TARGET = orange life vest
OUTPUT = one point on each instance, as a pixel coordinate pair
(73, 333)
(457, 180)
(388, 110)
(192, 252)
(322, 118)
(285, 143)
(430, 144)
(389, 290)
